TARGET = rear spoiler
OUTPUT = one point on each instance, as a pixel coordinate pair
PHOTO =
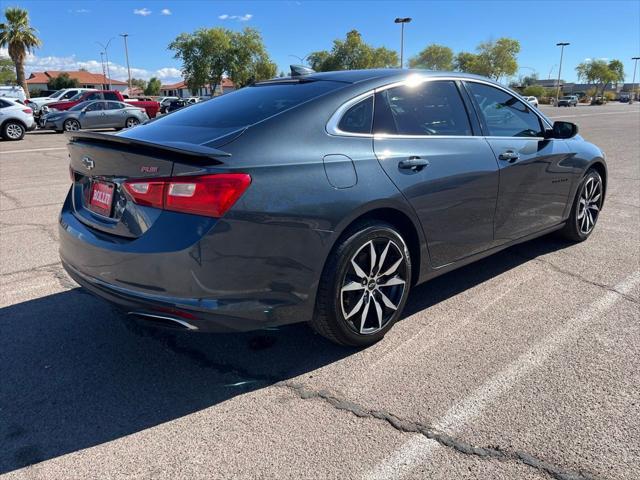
(182, 148)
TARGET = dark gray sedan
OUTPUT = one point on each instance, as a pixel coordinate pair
(94, 114)
(319, 198)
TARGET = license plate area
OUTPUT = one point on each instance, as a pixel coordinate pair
(101, 197)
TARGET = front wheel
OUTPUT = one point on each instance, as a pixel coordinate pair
(13, 131)
(364, 285)
(71, 125)
(131, 122)
(586, 208)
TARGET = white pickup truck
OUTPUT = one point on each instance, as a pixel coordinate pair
(59, 96)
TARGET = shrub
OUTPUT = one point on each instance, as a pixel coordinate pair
(534, 90)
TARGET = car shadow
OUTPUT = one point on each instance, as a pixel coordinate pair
(74, 374)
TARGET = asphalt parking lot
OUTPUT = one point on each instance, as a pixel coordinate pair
(521, 366)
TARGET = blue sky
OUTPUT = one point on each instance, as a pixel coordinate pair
(69, 29)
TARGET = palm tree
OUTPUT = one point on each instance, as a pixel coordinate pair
(20, 38)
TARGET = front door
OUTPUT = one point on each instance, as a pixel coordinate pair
(424, 142)
(535, 173)
(93, 116)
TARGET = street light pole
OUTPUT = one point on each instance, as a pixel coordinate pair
(126, 52)
(402, 21)
(561, 45)
(104, 72)
(633, 83)
(106, 55)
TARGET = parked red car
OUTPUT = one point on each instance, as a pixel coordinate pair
(149, 106)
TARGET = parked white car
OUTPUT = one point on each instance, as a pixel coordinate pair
(532, 100)
(59, 96)
(15, 119)
(12, 91)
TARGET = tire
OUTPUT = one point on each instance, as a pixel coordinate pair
(131, 122)
(13, 131)
(583, 220)
(71, 125)
(350, 290)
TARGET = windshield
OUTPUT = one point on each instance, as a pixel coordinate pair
(79, 106)
(566, 98)
(249, 105)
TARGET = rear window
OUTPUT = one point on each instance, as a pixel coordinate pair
(249, 105)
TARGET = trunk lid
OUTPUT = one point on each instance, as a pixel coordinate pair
(100, 164)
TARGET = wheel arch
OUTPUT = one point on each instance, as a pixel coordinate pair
(14, 120)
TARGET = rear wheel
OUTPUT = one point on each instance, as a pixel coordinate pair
(71, 125)
(13, 131)
(364, 286)
(131, 122)
(586, 208)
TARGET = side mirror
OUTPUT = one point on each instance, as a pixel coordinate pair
(562, 130)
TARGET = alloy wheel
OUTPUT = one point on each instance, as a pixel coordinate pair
(71, 126)
(14, 131)
(589, 204)
(373, 285)
(131, 122)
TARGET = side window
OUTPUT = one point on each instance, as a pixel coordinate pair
(69, 94)
(505, 115)
(358, 118)
(95, 107)
(110, 96)
(114, 106)
(94, 96)
(431, 108)
(4, 104)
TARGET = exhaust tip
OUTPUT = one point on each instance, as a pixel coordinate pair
(161, 320)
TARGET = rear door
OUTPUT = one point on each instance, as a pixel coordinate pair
(535, 175)
(425, 142)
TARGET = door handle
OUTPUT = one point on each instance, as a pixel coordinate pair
(509, 156)
(413, 163)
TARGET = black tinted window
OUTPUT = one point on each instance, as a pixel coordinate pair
(431, 108)
(69, 94)
(4, 104)
(111, 96)
(95, 106)
(248, 105)
(114, 106)
(505, 115)
(94, 96)
(358, 118)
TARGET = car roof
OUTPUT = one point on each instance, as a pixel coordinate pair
(355, 76)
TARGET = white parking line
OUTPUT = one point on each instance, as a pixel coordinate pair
(595, 114)
(417, 450)
(28, 150)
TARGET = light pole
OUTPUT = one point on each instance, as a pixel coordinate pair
(561, 45)
(402, 21)
(106, 55)
(126, 52)
(633, 83)
(104, 72)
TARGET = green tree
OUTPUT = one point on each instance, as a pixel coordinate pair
(495, 59)
(62, 81)
(534, 90)
(600, 73)
(352, 53)
(433, 57)
(208, 54)
(153, 87)
(20, 38)
(7, 72)
(139, 82)
(465, 62)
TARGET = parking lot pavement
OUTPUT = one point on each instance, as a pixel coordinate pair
(523, 365)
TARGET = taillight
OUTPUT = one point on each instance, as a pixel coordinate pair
(209, 195)
(27, 111)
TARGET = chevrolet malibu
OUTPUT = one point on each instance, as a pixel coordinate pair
(320, 198)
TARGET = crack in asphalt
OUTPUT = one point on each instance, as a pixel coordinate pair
(579, 277)
(48, 230)
(14, 199)
(448, 441)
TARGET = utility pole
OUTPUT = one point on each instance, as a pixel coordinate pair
(126, 52)
(104, 72)
(561, 45)
(633, 83)
(106, 55)
(402, 21)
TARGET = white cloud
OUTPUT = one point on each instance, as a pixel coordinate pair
(240, 18)
(142, 11)
(80, 11)
(165, 11)
(117, 71)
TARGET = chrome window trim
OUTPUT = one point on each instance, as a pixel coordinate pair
(334, 120)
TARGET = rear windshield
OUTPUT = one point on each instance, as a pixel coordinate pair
(249, 105)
